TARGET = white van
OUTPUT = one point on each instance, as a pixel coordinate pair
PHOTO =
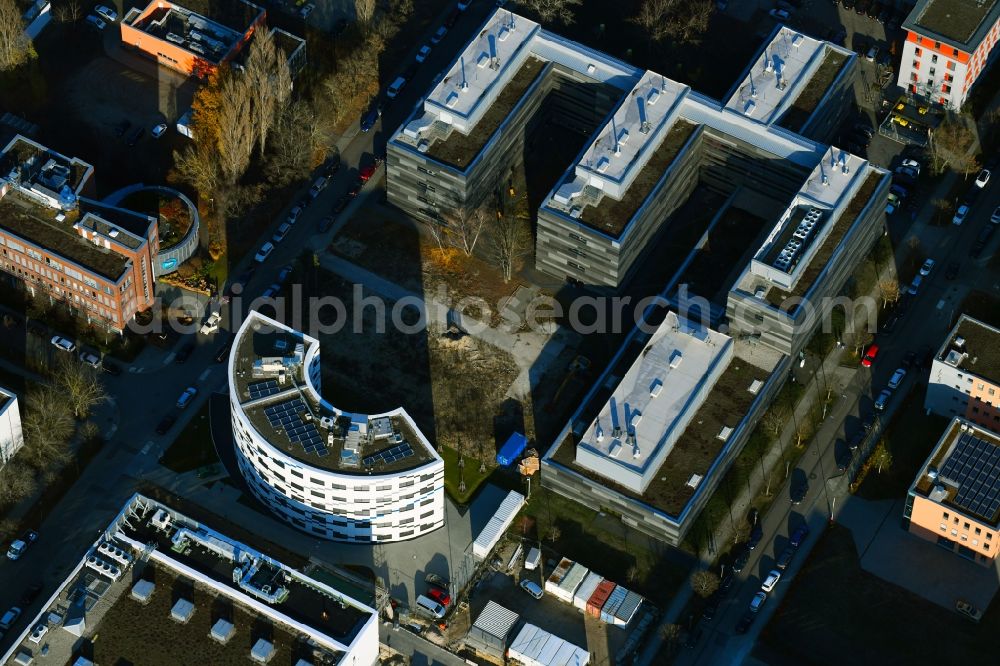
(532, 560)
(395, 87)
(430, 606)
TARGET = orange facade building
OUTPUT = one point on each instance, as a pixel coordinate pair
(955, 501)
(195, 39)
(95, 259)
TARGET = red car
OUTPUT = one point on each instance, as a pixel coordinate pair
(367, 172)
(870, 356)
(440, 596)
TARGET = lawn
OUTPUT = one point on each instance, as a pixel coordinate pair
(602, 542)
(910, 438)
(193, 447)
(453, 475)
(837, 613)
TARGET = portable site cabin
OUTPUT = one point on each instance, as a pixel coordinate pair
(535, 647)
(491, 630)
(498, 524)
(586, 590)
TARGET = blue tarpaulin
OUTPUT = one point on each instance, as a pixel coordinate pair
(514, 447)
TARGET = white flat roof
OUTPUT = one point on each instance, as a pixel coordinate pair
(654, 402)
(625, 143)
(481, 71)
(777, 75)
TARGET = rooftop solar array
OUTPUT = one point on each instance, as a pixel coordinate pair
(288, 416)
(388, 456)
(263, 389)
(974, 465)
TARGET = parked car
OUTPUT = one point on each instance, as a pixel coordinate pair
(779, 14)
(306, 10)
(371, 117)
(770, 580)
(62, 344)
(798, 536)
(19, 546)
(31, 594)
(797, 492)
(854, 441)
(281, 232)
(532, 588)
(711, 608)
(926, 269)
(164, 426)
(393, 90)
(423, 53)
(95, 23)
(744, 624)
(911, 164)
(184, 353)
(960, 214)
(756, 534)
(263, 253)
(159, 130)
(897, 378)
(870, 355)
(91, 359)
(223, 352)
(983, 178)
(758, 602)
(843, 459)
(283, 273)
(893, 203)
(453, 16)
(367, 172)
(271, 291)
(439, 35)
(440, 596)
(186, 397)
(318, 186)
(968, 610)
(294, 213)
(106, 13)
(883, 399)
(211, 324)
(431, 607)
(9, 618)
(340, 204)
(915, 285)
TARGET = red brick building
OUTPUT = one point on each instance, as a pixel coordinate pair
(96, 259)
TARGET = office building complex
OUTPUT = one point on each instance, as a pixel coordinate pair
(11, 434)
(157, 579)
(955, 499)
(340, 476)
(965, 375)
(653, 437)
(96, 259)
(193, 39)
(948, 45)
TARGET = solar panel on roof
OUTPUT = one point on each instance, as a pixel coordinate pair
(974, 466)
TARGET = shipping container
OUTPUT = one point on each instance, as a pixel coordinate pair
(612, 604)
(512, 448)
(567, 586)
(535, 647)
(498, 524)
(599, 598)
(552, 583)
(627, 610)
(586, 590)
(492, 628)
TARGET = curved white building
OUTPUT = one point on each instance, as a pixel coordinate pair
(341, 476)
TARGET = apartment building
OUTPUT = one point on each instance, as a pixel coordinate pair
(193, 39)
(965, 374)
(156, 579)
(337, 475)
(96, 259)
(949, 43)
(955, 499)
(11, 435)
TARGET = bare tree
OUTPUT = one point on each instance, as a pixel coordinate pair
(856, 340)
(15, 46)
(682, 21)
(47, 425)
(704, 583)
(17, 481)
(236, 132)
(774, 419)
(269, 82)
(553, 11)
(466, 226)
(510, 237)
(890, 291)
(670, 634)
(881, 456)
(198, 166)
(554, 534)
(632, 574)
(953, 144)
(68, 11)
(79, 386)
(364, 10)
(299, 136)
